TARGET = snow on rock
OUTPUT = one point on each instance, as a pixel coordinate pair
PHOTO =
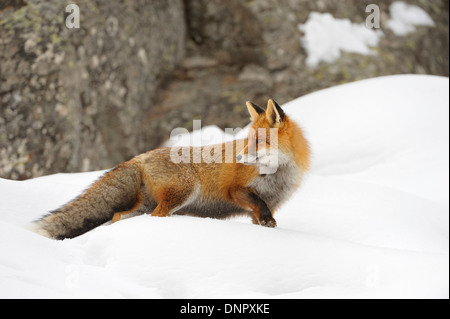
(404, 18)
(325, 37)
(371, 220)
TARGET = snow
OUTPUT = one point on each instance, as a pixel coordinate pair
(404, 18)
(325, 37)
(370, 221)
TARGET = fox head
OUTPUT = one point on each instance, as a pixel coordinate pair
(267, 133)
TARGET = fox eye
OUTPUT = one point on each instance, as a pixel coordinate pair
(260, 140)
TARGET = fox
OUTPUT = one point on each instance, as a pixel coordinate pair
(220, 189)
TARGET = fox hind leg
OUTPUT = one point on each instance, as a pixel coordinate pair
(171, 200)
(162, 210)
(139, 203)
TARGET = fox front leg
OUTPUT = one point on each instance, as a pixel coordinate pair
(262, 215)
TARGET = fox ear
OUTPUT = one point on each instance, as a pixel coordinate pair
(254, 110)
(275, 114)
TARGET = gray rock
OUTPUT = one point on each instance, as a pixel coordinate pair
(77, 99)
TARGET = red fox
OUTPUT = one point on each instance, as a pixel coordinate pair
(152, 182)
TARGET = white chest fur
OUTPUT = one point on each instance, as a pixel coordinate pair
(276, 188)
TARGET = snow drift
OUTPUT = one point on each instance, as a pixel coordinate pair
(371, 219)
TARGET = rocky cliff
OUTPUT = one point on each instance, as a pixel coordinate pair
(77, 99)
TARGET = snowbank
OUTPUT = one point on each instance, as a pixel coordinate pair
(371, 219)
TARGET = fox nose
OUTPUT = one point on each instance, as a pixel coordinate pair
(238, 158)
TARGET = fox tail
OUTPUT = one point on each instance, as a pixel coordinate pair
(115, 191)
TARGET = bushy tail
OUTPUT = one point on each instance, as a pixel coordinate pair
(115, 191)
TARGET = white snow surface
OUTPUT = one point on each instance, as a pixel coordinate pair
(404, 18)
(370, 221)
(325, 37)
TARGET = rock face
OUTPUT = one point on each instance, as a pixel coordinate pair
(90, 98)
(77, 99)
(250, 50)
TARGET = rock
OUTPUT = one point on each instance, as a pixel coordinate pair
(199, 62)
(254, 73)
(93, 88)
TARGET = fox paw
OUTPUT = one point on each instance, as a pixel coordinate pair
(268, 222)
(157, 215)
